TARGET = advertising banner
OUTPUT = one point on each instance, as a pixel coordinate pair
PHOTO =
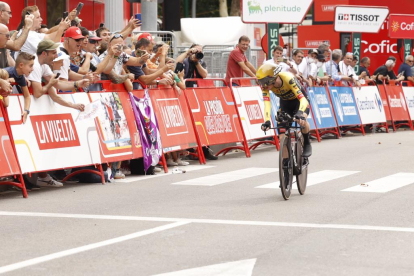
(50, 138)
(321, 107)
(324, 10)
(396, 100)
(215, 115)
(250, 104)
(270, 11)
(344, 105)
(369, 103)
(8, 160)
(359, 19)
(384, 99)
(401, 26)
(409, 99)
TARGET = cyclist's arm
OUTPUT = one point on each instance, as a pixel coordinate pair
(303, 102)
(267, 104)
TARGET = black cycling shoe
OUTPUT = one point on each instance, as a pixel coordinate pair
(307, 150)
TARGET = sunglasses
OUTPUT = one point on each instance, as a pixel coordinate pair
(78, 40)
(116, 36)
(93, 41)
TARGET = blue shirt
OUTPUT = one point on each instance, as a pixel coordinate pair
(20, 80)
(405, 69)
(335, 72)
(364, 69)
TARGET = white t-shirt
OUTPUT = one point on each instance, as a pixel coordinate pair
(39, 71)
(308, 69)
(30, 45)
(285, 67)
(347, 70)
(122, 59)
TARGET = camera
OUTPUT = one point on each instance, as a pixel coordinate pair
(199, 55)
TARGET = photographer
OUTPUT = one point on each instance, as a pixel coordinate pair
(192, 63)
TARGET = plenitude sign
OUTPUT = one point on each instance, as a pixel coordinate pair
(401, 26)
(359, 19)
(271, 11)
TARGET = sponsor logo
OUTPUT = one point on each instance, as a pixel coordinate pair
(358, 17)
(172, 115)
(55, 131)
(315, 43)
(367, 104)
(378, 102)
(395, 26)
(328, 8)
(254, 112)
(216, 121)
(383, 47)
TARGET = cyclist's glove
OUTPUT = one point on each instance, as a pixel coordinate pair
(266, 125)
(299, 115)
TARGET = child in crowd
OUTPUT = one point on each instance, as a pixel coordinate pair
(18, 74)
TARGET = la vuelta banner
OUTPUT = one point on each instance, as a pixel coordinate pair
(215, 115)
(148, 129)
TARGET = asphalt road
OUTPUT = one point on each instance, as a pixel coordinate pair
(356, 218)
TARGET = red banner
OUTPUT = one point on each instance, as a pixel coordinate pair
(324, 10)
(215, 115)
(385, 103)
(401, 26)
(396, 101)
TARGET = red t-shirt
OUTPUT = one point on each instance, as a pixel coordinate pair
(233, 68)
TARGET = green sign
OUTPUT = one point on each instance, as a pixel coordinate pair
(408, 45)
(272, 37)
(356, 49)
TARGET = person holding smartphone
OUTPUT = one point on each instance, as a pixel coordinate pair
(278, 59)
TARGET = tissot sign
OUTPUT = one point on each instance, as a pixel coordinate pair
(354, 19)
(271, 11)
(401, 26)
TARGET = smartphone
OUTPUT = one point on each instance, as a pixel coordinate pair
(119, 47)
(285, 60)
(139, 52)
(101, 25)
(138, 16)
(279, 59)
(79, 8)
(57, 76)
(28, 13)
(65, 14)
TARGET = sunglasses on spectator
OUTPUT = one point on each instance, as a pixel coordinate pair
(7, 35)
(78, 40)
(91, 41)
(116, 36)
(410, 60)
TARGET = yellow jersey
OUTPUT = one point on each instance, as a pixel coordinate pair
(288, 91)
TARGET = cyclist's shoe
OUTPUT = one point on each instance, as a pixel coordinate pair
(307, 150)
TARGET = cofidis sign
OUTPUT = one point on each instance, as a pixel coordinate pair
(401, 26)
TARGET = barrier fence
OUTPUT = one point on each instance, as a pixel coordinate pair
(210, 113)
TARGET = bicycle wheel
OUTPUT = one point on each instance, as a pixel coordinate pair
(302, 178)
(285, 172)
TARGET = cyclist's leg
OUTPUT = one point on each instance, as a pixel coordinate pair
(307, 148)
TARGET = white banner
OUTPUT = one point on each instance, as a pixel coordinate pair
(249, 101)
(50, 138)
(271, 11)
(369, 104)
(409, 99)
(359, 19)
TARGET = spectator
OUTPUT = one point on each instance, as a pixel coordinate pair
(13, 44)
(346, 69)
(238, 63)
(308, 67)
(332, 68)
(363, 69)
(278, 60)
(385, 72)
(18, 74)
(45, 57)
(43, 29)
(323, 49)
(96, 65)
(143, 73)
(33, 39)
(152, 61)
(193, 64)
(104, 34)
(405, 69)
(4, 76)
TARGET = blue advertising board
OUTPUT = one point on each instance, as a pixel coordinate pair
(344, 104)
(275, 107)
(321, 107)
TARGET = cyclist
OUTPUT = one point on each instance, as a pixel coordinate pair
(293, 99)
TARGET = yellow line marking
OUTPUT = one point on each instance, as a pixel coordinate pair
(23, 142)
(201, 124)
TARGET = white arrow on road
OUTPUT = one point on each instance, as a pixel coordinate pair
(238, 268)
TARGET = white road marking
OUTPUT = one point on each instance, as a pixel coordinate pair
(222, 178)
(385, 184)
(212, 221)
(189, 168)
(314, 178)
(238, 268)
(88, 247)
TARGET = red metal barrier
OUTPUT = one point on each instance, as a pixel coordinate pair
(215, 114)
(397, 105)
